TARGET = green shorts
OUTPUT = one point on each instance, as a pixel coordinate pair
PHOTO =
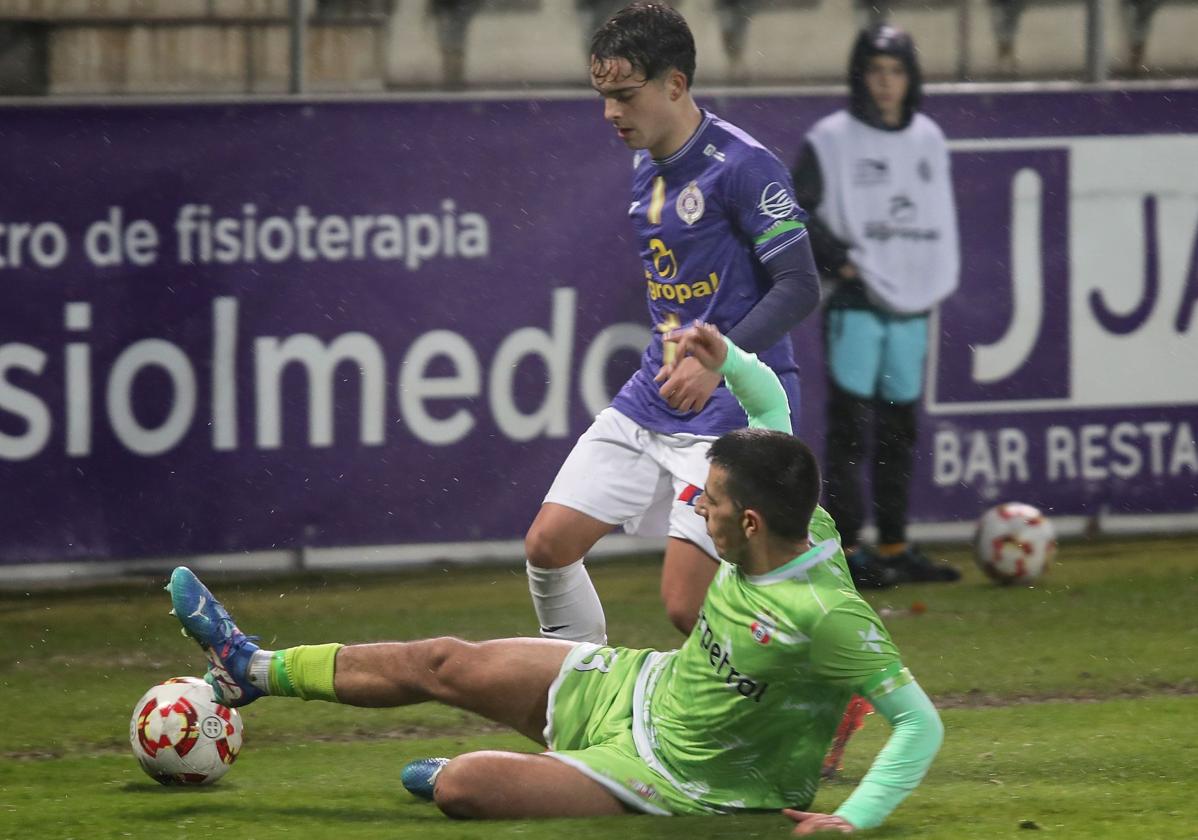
(591, 726)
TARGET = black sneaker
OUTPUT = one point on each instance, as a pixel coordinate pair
(915, 566)
(869, 571)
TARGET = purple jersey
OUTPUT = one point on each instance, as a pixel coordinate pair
(708, 218)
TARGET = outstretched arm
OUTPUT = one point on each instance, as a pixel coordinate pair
(897, 770)
(903, 762)
(875, 671)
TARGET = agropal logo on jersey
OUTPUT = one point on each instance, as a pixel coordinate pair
(665, 265)
(664, 261)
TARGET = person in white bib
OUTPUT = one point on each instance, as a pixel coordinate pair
(875, 179)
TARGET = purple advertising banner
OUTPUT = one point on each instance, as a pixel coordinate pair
(232, 327)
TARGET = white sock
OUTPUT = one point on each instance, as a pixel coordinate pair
(258, 673)
(567, 604)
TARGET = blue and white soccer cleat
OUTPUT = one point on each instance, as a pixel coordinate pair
(209, 623)
(420, 776)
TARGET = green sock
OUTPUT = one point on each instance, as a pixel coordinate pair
(305, 671)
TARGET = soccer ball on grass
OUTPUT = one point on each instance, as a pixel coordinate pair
(181, 736)
(1014, 543)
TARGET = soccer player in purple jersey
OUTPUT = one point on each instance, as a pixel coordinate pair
(722, 241)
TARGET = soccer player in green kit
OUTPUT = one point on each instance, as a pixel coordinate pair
(738, 719)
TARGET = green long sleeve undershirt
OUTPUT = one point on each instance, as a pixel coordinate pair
(903, 762)
(757, 389)
(916, 728)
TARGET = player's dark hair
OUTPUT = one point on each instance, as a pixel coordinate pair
(773, 473)
(651, 36)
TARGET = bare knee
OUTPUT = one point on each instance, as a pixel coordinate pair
(543, 548)
(460, 791)
(440, 660)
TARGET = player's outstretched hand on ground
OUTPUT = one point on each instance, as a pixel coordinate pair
(809, 823)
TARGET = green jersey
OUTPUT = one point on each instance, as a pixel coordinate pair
(742, 715)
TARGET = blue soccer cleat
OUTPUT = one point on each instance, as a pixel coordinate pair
(419, 776)
(209, 623)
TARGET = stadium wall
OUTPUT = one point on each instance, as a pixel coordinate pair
(329, 333)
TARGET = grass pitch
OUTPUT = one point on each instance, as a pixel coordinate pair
(1070, 707)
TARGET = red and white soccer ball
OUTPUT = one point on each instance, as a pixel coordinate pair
(1014, 543)
(181, 736)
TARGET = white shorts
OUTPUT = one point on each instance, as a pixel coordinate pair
(624, 474)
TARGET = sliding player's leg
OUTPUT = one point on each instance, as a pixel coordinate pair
(589, 728)
(507, 785)
(507, 680)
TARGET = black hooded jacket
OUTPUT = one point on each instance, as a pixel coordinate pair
(883, 39)
(880, 39)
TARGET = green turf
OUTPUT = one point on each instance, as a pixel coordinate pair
(1069, 706)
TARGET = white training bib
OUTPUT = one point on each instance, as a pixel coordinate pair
(888, 195)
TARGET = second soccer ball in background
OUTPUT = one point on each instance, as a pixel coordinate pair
(1014, 543)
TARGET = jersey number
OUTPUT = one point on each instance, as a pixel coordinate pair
(597, 661)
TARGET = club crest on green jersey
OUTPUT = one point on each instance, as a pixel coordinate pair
(765, 630)
(762, 630)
